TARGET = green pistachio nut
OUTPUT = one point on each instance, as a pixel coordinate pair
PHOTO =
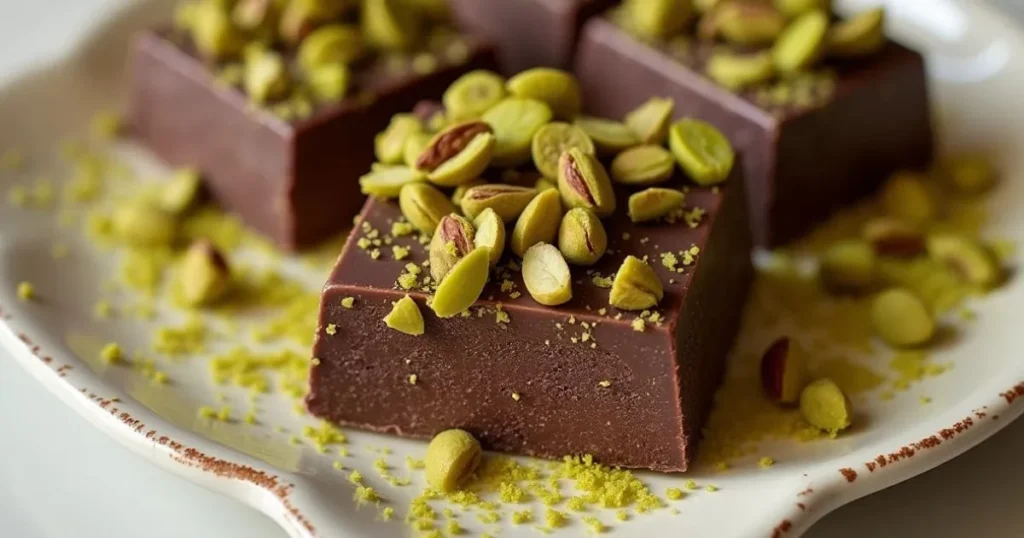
(558, 89)
(802, 43)
(452, 241)
(650, 121)
(266, 77)
(181, 193)
(552, 140)
(969, 173)
(582, 239)
(643, 165)
(329, 45)
(906, 197)
(515, 121)
(583, 182)
(203, 275)
(473, 94)
(824, 406)
(460, 192)
(423, 205)
(508, 201)
(390, 25)
(405, 317)
(387, 181)
(328, 83)
(143, 225)
(490, 233)
(213, 34)
(861, 35)
(546, 275)
(458, 154)
(463, 284)
(415, 143)
(389, 145)
(702, 151)
(256, 16)
(848, 266)
(969, 258)
(900, 318)
(636, 286)
(658, 19)
(609, 136)
(452, 457)
(654, 203)
(749, 23)
(538, 223)
(739, 71)
(893, 237)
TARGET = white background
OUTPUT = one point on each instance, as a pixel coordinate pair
(61, 478)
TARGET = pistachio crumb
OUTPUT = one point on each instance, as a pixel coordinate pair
(26, 291)
(400, 252)
(638, 325)
(413, 378)
(605, 383)
(111, 353)
(515, 396)
(711, 488)
(347, 302)
(765, 462)
(674, 494)
(331, 329)
(387, 513)
(691, 484)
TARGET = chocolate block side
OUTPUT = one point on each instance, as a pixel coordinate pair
(186, 120)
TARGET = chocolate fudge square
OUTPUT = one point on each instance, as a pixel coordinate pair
(582, 377)
(293, 179)
(810, 145)
(529, 33)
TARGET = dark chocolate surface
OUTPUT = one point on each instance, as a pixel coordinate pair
(295, 182)
(662, 379)
(803, 161)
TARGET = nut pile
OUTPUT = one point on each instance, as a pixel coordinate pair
(532, 122)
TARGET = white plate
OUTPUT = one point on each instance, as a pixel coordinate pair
(975, 59)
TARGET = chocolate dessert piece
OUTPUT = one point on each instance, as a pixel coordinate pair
(529, 33)
(582, 377)
(812, 142)
(287, 164)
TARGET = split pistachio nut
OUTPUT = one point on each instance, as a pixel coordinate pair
(702, 151)
(654, 203)
(583, 182)
(405, 317)
(387, 181)
(643, 165)
(203, 275)
(490, 233)
(802, 43)
(257, 16)
(538, 223)
(453, 240)
(554, 87)
(389, 144)
(546, 275)
(423, 205)
(783, 371)
(848, 266)
(415, 143)
(650, 121)
(458, 154)
(330, 45)
(582, 239)
(180, 193)
(141, 224)
(328, 83)
(969, 174)
(265, 76)
(508, 201)
(968, 257)
(463, 285)
(900, 318)
(738, 71)
(894, 237)
(906, 197)
(824, 406)
(636, 286)
(552, 140)
(460, 192)
(452, 457)
(609, 136)
(214, 35)
(748, 23)
(658, 19)
(515, 121)
(795, 8)
(390, 25)
(861, 35)
(473, 94)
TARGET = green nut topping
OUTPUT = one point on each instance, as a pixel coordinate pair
(258, 16)
(143, 225)
(330, 45)
(389, 145)
(861, 35)
(180, 193)
(266, 76)
(906, 197)
(893, 237)
(515, 121)
(658, 19)
(650, 121)
(748, 23)
(452, 457)
(581, 237)
(538, 222)
(609, 136)
(901, 319)
(552, 140)
(702, 151)
(970, 259)
(460, 192)
(490, 233)
(390, 25)
(654, 203)
(738, 71)
(473, 94)
(405, 317)
(463, 285)
(848, 266)
(802, 44)
(212, 32)
(508, 201)
(423, 205)
(203, 275)
(387, 181)
(824, 406)
(794, 8)
(969, 174)
(636, 286)
(554, 87)
(643, 165)
(546, 275)
(458, 154)
(328, 83)
(452, 241)
(415, 143)
(583, 182)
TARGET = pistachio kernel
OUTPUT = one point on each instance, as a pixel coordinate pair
(452, 457)
(824, 406)
(405, 317)
(472, 94)
(328, 83)
(203, 275)
(748, 23)
(893, 237)
(538, 222)
(179, 194)
(582, 239)
(266, 76)
(546, 275)
(463, 285)
(636, 286)
(423, 205)
(255, 15)
(900, 318)
(802, 43)
(783, 371)
(658, 19)
(515, 122)
(554, 87)
(968, 257)
(452, 241)
(508, 201)
(460, 192)
(643, 165)
(583, 182)
(609, 136)
(143, 225)
(213, 34)
(390, 25)
(458, 154)
(702, 151)
(415, 143)
(848, 266)
(552, 140)
(906, 197)
(738, 71)
(654, 203)
(389, 144)
(860, 35)
(387, 181)
(330, 45)
(490, 233)
(650, 121)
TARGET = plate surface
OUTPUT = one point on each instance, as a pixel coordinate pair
(975, 57)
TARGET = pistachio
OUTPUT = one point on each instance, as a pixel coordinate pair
(329, 45)
(389, 25)
(473, 93)
(490, 233)
(452, 457)
(794, 8)
(969, 174)
(180, 193)
(824, 406)
(508, 201)
(405, 317)
(892, 237)
(328, 83)
(389, 145)
(460, 192)
(212, 32)
(266, 77)
(538, 222)
(738, 71)
(970, 259)
(546, 275)
(427, 110)
(583, 182)
(658, 19)
(463, 285)
(515, 121)
(415, 143)
(609, 136)
(423, 205)
(783, 371)
(748, 23)
(906, 197)
(848, 266)
(552, 140)
(901, 318)
(203, 275)
(452, 240)
(654, 203)
(636, 286)
(301, 17)
(458, 154)
(650, 121)
(387, 181)
(861, 35)
(258, 16)
(554, 87)
(143, 225)
(544, 184)
(643, 165)
(802, 43)
(705, 6)
(702, 151)
(581, 237)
